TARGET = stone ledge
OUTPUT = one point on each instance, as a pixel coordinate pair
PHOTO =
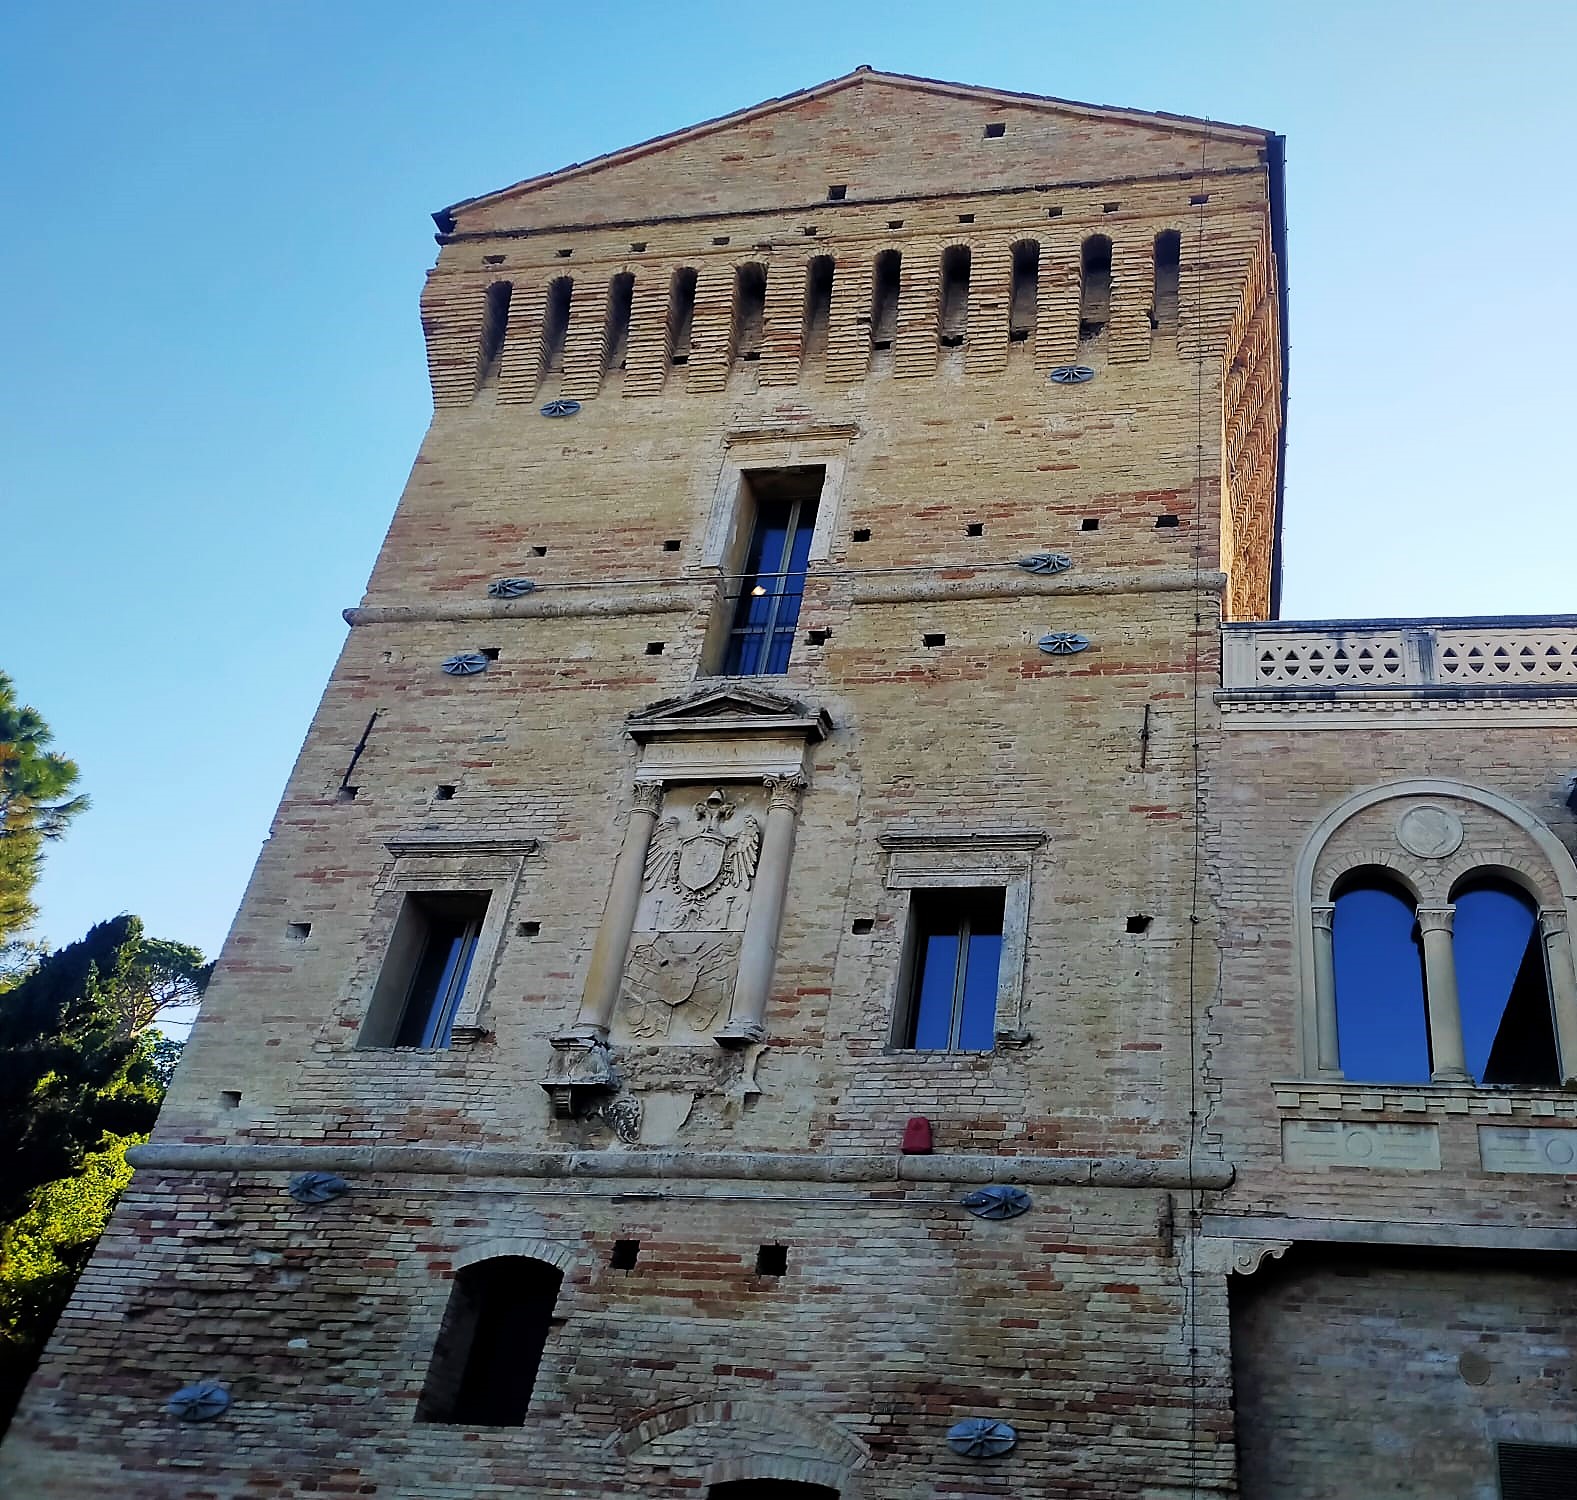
(1064, 1171)
(1433, 1234)
(1433, 1100)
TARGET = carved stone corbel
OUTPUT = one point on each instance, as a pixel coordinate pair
(1249, 1255)
(580, 1076)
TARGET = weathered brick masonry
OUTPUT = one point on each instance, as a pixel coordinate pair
(1058, 735)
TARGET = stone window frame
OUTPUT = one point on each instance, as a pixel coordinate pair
(929, 860)
(1431, 883)
(442, 866)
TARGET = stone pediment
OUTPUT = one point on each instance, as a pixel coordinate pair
(879, 134)
(729, 711)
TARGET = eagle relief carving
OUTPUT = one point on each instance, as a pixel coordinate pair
(695, 894)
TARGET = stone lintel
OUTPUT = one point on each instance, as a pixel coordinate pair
(1431, 1235)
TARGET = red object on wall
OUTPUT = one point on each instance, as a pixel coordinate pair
(917, 1136)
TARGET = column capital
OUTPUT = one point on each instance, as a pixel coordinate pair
(1324, 916)
(1552, 921)
(647, 796)
(1435, 918)
(785, 791)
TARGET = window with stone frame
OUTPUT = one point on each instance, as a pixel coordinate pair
(427, 968)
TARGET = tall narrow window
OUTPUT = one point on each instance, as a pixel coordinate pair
(783, 504)
(495, 324)
(621, 293)
(555, 324)
(884, 299)
(750, 311)
(490, 1344)
(681, 315)
(1025, 300)
(955, 955)
(818, 307)
(1095, 287)
(1381, 1021)
(954, 321)
(425, 971)
(1508, 1027)
(1168, 274)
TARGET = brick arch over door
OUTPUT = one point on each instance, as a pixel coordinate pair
(1562, 872)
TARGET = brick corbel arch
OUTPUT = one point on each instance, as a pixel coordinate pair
(1561, 867)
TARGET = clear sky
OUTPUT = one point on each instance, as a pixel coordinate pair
(216, 383)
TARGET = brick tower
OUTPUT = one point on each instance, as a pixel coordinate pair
(721, 1009)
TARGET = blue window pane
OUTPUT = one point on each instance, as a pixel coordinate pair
(978, 1023)
(1382, 1025)
(771, 587)
(1508, 1032)
(933, 1019)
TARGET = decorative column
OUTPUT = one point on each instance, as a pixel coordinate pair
(1440, 990)
(1327, 1061)
(758, 946)
(1563, 989)
(581, 1069)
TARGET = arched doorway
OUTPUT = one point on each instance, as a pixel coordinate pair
(770, 1489)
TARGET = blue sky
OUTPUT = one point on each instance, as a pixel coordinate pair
(218, 229)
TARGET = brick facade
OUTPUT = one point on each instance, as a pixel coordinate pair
(1142, 820)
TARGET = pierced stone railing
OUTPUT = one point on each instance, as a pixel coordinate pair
(1364, 655)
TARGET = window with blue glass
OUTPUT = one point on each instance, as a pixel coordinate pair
(426, 969)
(1508, 1025)
(1381, 1016)
(771, 578)
(954, 962)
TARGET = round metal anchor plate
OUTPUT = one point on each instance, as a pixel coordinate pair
(1063, 642)
(1046, 562)
(561, 408)
(199, 1403)
(981, 1437)
(316, 1187)
(999, 1201)
(509, 588)
(465, 664)
(1072, 374)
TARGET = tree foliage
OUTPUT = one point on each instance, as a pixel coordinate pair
(35, 805)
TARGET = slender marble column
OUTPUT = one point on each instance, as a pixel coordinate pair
(1440, 987)
(1563, 989)
(1328, 1055)
(603, 976)
(758, 946)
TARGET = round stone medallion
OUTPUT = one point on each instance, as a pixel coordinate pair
(1430, 832)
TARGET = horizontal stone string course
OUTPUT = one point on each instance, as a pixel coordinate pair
(1071, 1171)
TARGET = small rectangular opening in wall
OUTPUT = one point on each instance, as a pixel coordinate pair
(654, 648)
(637, 247)
(862, 925)
(772, 1260)
(347, 794)
(1139, 922)
(672, 544)
(1053, 213)
(1198, 200)
(298, 932)
(1162, 523)
(444, 793)
(1537, 1471)
(996, 130)
(933, 640)
(895, 223)
(564, 254)
(818, 637)
(528, 929)
(539, 551)
(492, 260)
(1110, 208)
(809, 229)
(625, 1254)
(966, 218)
(230, 1098)
(1089, 523)
(719, 239)
(975, 528)
(860, 534)
(425, 970)
(490, 652)
(837, 192)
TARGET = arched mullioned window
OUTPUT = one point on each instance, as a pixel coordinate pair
(495, 1327)
(1434, 942)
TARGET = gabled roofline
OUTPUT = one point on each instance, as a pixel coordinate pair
(444, 217)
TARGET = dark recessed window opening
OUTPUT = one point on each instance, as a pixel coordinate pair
(933, 641)
(953, 956)
(637, 247)
(1168, 273)
(230, 1098)
(772, 1260)
(445, 793)
(996, 130)
(975, 528)
(782, 505)
(616, 342)
(838, 192)
(425, 971)
(681, 315)
(495, 324)
(625, 1254)
(1382, 1025)
(298, 932)
(495, 1327)
(1024, 301)
(672, 544)
(1139, 922)
(1090, 523)
(1508, 1026)
(1163, 522)
(860, 534)
(1095, 287)
(654, 648)
(347, 794)
(818, 306)
(884, 299)
(862, 925)
(555, 325)
(528, 929)
(750, 311)
(954, 313)
(1528, 1471)
(818, 637)
(490, 652)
